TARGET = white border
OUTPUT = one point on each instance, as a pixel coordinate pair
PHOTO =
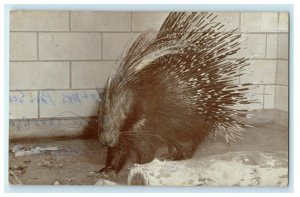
(293, 84)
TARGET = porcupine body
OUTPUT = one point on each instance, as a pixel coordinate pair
(174, 88)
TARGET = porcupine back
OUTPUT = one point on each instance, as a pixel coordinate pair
(181, 81)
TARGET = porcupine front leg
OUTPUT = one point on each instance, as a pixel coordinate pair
(145, 150)
(115, 160)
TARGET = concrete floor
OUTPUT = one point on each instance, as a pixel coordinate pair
(78, 160)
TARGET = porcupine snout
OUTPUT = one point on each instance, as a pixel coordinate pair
(108, 138)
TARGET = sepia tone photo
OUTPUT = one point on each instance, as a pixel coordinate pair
(148, 98)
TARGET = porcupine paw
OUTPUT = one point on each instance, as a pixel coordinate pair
(107, 172)
(173, 156)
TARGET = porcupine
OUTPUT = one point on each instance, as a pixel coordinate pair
(173, 87)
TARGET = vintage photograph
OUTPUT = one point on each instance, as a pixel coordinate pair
(148, 98)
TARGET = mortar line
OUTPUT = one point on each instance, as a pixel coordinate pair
(62, 89)
(114, 60)
(56, 118)
(111, 32)
(70, 75)
(70, 21)
(37, 46)
(88, 89)
(67, 31)
(278, 18)
(264, 96)
(90, 60)
(266, 45)
(131, 21)
(275, 97)
(101, 46)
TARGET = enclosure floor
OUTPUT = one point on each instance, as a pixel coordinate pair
(78, 160)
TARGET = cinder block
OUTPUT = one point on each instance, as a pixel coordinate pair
(253, 45)
(69, 46)
(282, 98)
(23, 104)
(50, 128)
(283, 46)
(231, 20)
(100, 21)
(39, 21)
(272, 46)
(283, 25)
(38, 75)
(260, 72)
(91, 74)
(23, 46)
(69, 103)
(269, 97)
(255, 96)
(259, 21)
(114, 44)
(142, 21)
(282, 77)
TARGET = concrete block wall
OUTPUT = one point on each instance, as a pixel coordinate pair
(58, 58)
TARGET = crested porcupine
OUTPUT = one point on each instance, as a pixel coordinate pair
(173, 87)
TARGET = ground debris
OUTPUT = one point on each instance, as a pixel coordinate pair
(94, 172)
(16, 180)
(19, 169)
(51, 164)
(56, 183)
(104, 182)
(17, 148)
(20, 151)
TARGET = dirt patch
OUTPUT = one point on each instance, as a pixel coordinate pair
(75, 164)
(79, 159)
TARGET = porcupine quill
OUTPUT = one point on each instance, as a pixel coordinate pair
(173, 87)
